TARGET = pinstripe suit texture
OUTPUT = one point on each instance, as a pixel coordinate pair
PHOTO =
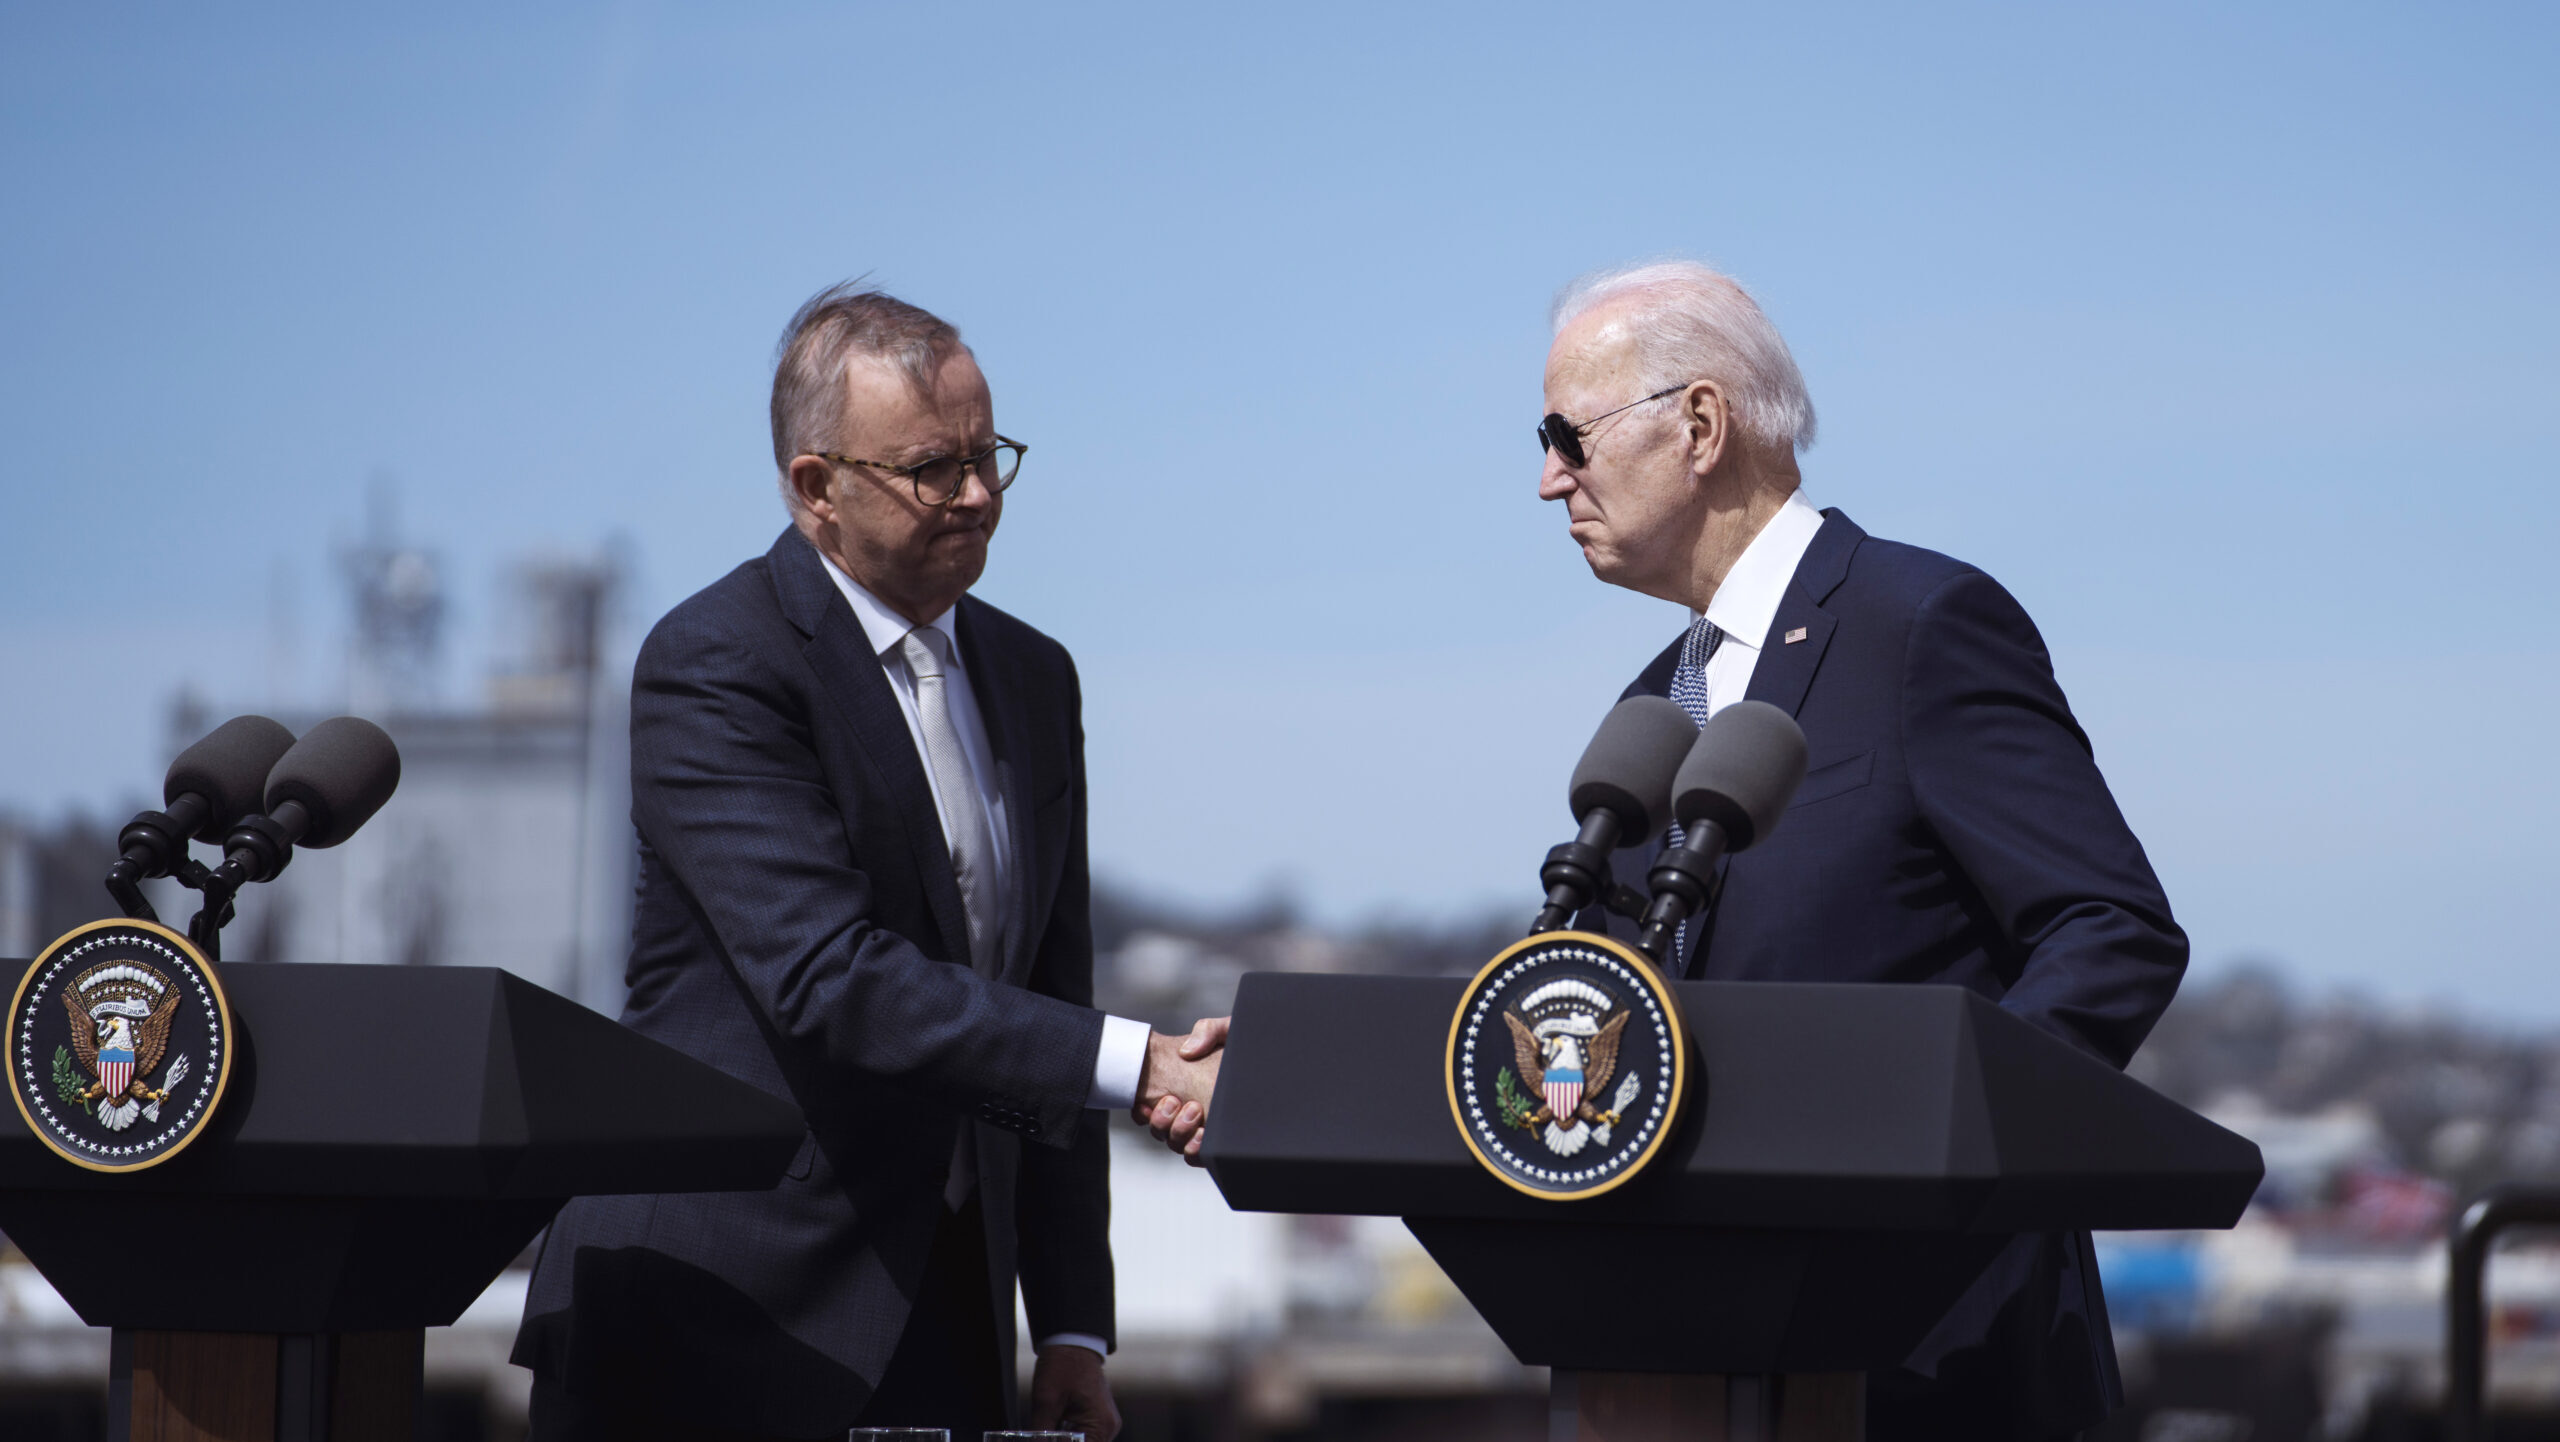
(799, 927)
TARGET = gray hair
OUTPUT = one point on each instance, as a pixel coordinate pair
(1700, 324)
(838, 325)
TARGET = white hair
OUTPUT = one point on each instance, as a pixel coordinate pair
(1697, 323)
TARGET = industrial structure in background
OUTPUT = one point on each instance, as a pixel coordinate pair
(510, 842)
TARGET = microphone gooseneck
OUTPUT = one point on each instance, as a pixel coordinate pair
(1573, 870)
(1681, 881)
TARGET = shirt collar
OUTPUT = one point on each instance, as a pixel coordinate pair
(883, 627)
(1747, 602)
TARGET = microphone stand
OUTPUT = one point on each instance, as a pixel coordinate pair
(1683, 881)
(147, 837)
(256, 850)
(1577, 873)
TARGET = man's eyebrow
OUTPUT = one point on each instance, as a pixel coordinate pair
(934, 450)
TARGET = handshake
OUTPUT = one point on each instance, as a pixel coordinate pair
(1174, 1087)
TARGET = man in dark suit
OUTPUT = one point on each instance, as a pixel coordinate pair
(1952, 826)
(861, 809)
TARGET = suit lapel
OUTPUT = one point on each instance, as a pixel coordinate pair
(850, 671)
(1785, 669)
(1000, 706)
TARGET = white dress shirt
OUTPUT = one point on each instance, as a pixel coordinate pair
(1117, 1067)
(1745, 605)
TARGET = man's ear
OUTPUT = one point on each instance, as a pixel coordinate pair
(1708, 421)
(810, 480)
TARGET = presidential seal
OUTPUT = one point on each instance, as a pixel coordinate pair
(1567, 1063)
(119, 1043)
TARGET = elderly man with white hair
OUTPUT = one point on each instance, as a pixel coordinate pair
(1952, 826)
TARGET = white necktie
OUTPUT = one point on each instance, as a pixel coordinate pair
(973, 858)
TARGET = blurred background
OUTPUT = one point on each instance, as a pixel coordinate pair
(415, 364)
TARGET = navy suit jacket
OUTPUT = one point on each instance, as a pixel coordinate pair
(798, 927)
(1952, 828)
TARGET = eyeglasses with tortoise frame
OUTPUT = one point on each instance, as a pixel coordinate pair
(939, 481)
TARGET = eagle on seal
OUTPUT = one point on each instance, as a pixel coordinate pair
(1598, 1057)
(146, 1037)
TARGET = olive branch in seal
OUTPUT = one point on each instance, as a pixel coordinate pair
(67, 1079)
(1511, 1101)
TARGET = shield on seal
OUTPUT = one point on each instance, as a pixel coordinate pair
(1564, 1091)
(115, 1068)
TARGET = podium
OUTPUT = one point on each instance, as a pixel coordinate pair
(1853, 1159)
(393, 1137)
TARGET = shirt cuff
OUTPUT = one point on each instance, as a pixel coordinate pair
(1086, 1340)
(1118, 1065)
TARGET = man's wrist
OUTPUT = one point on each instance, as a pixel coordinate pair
(1086, 1340)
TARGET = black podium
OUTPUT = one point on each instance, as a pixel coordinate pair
(393, 1136)
(1854, 1158)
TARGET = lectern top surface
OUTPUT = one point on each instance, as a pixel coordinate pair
(448, 1081)
(1822, 1106)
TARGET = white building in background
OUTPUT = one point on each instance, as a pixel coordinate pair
(17, 892)
(508, 842)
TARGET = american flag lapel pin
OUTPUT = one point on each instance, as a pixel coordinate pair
(1795, 635)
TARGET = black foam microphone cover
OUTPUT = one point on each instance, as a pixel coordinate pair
(341, 772)
(1742, 773)
(1629, 765)
(228, 768)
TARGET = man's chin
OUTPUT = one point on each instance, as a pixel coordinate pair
(961, 565)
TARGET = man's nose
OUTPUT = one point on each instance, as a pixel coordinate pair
(1555, 482)
(974, 494)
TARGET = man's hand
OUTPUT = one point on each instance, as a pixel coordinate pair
(1070, 1394)
(1174, 1089)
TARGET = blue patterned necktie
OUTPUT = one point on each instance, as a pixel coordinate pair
(1689, 689)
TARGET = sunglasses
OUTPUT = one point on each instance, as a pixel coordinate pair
(1565, 438)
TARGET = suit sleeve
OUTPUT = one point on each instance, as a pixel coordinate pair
(2004, 777)
(728, 789)
(1062, 1207)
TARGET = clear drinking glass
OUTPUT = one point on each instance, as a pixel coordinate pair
(899, 1434)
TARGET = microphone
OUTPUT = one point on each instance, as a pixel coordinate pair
(1729, 795)
(210, 787)
(1621, 795)
(329, 784)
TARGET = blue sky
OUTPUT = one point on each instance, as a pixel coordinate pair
(2225, 340)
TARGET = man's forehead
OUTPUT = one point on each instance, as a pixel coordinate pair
(886, 401)
(1595, 347)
